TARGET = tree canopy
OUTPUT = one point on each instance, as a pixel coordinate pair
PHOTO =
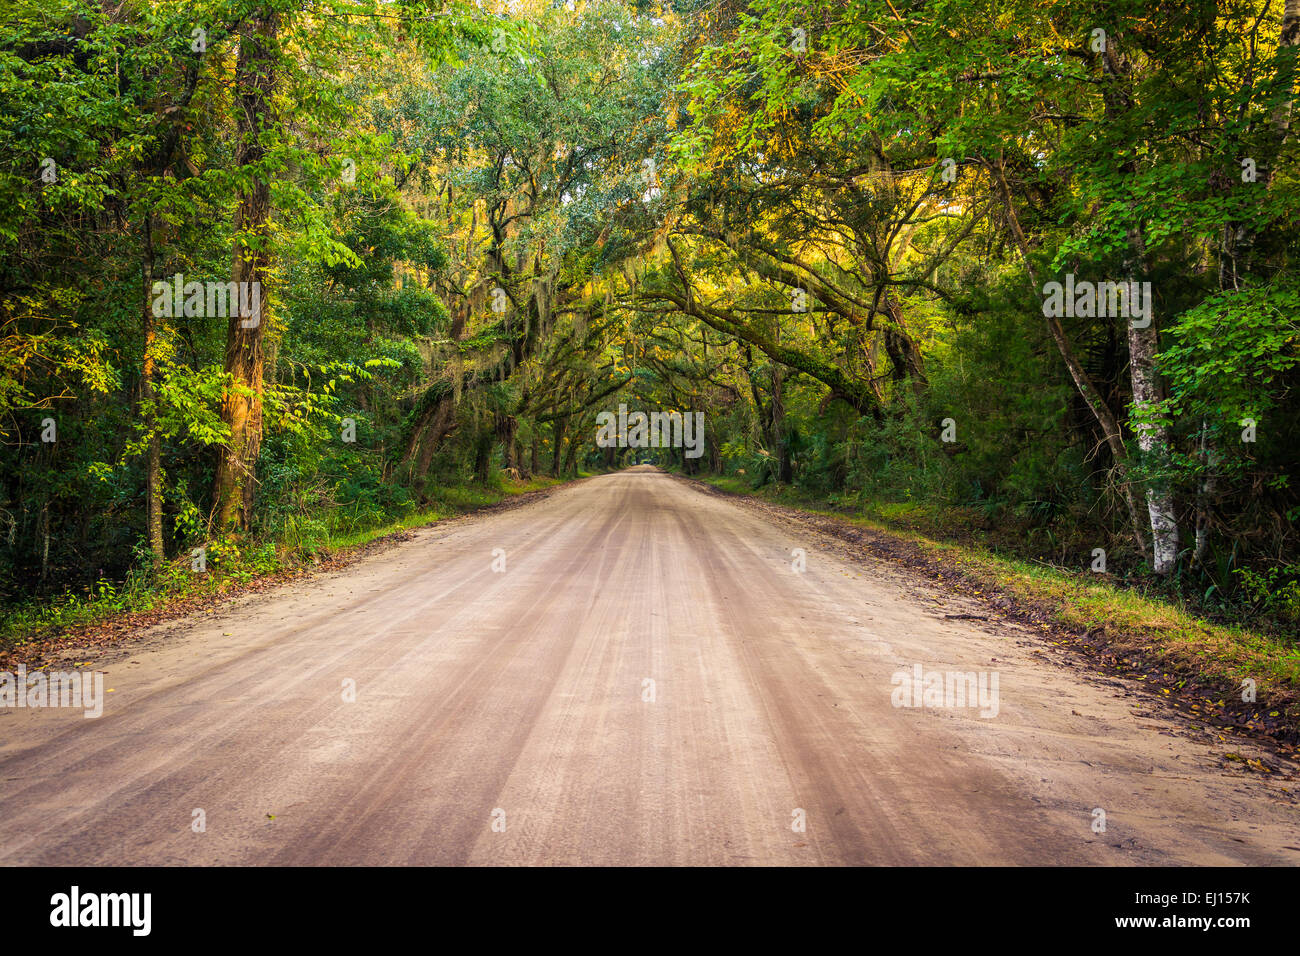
(833, 227)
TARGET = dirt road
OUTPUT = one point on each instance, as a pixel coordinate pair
(640, 675)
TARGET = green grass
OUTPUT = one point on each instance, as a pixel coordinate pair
(447, 502)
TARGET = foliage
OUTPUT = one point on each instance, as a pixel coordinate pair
(825, 225)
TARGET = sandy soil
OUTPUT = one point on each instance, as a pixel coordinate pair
(648, 681)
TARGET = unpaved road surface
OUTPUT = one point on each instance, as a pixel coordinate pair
(647, 681)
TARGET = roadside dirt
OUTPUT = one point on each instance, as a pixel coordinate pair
(627, 671)
(1106, 649)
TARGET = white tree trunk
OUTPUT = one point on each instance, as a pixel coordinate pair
(1153, 440)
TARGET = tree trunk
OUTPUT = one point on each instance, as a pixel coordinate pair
(483, 456)
(45, 539)
(241, 404)
(557, 451)
(153, 469)
(771, 419)
(434, 422)
(1154, 442)
(1205, 489)
(571, 459)
(1143, 343)
(780, 439)
(507, 433)
(904, 354)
